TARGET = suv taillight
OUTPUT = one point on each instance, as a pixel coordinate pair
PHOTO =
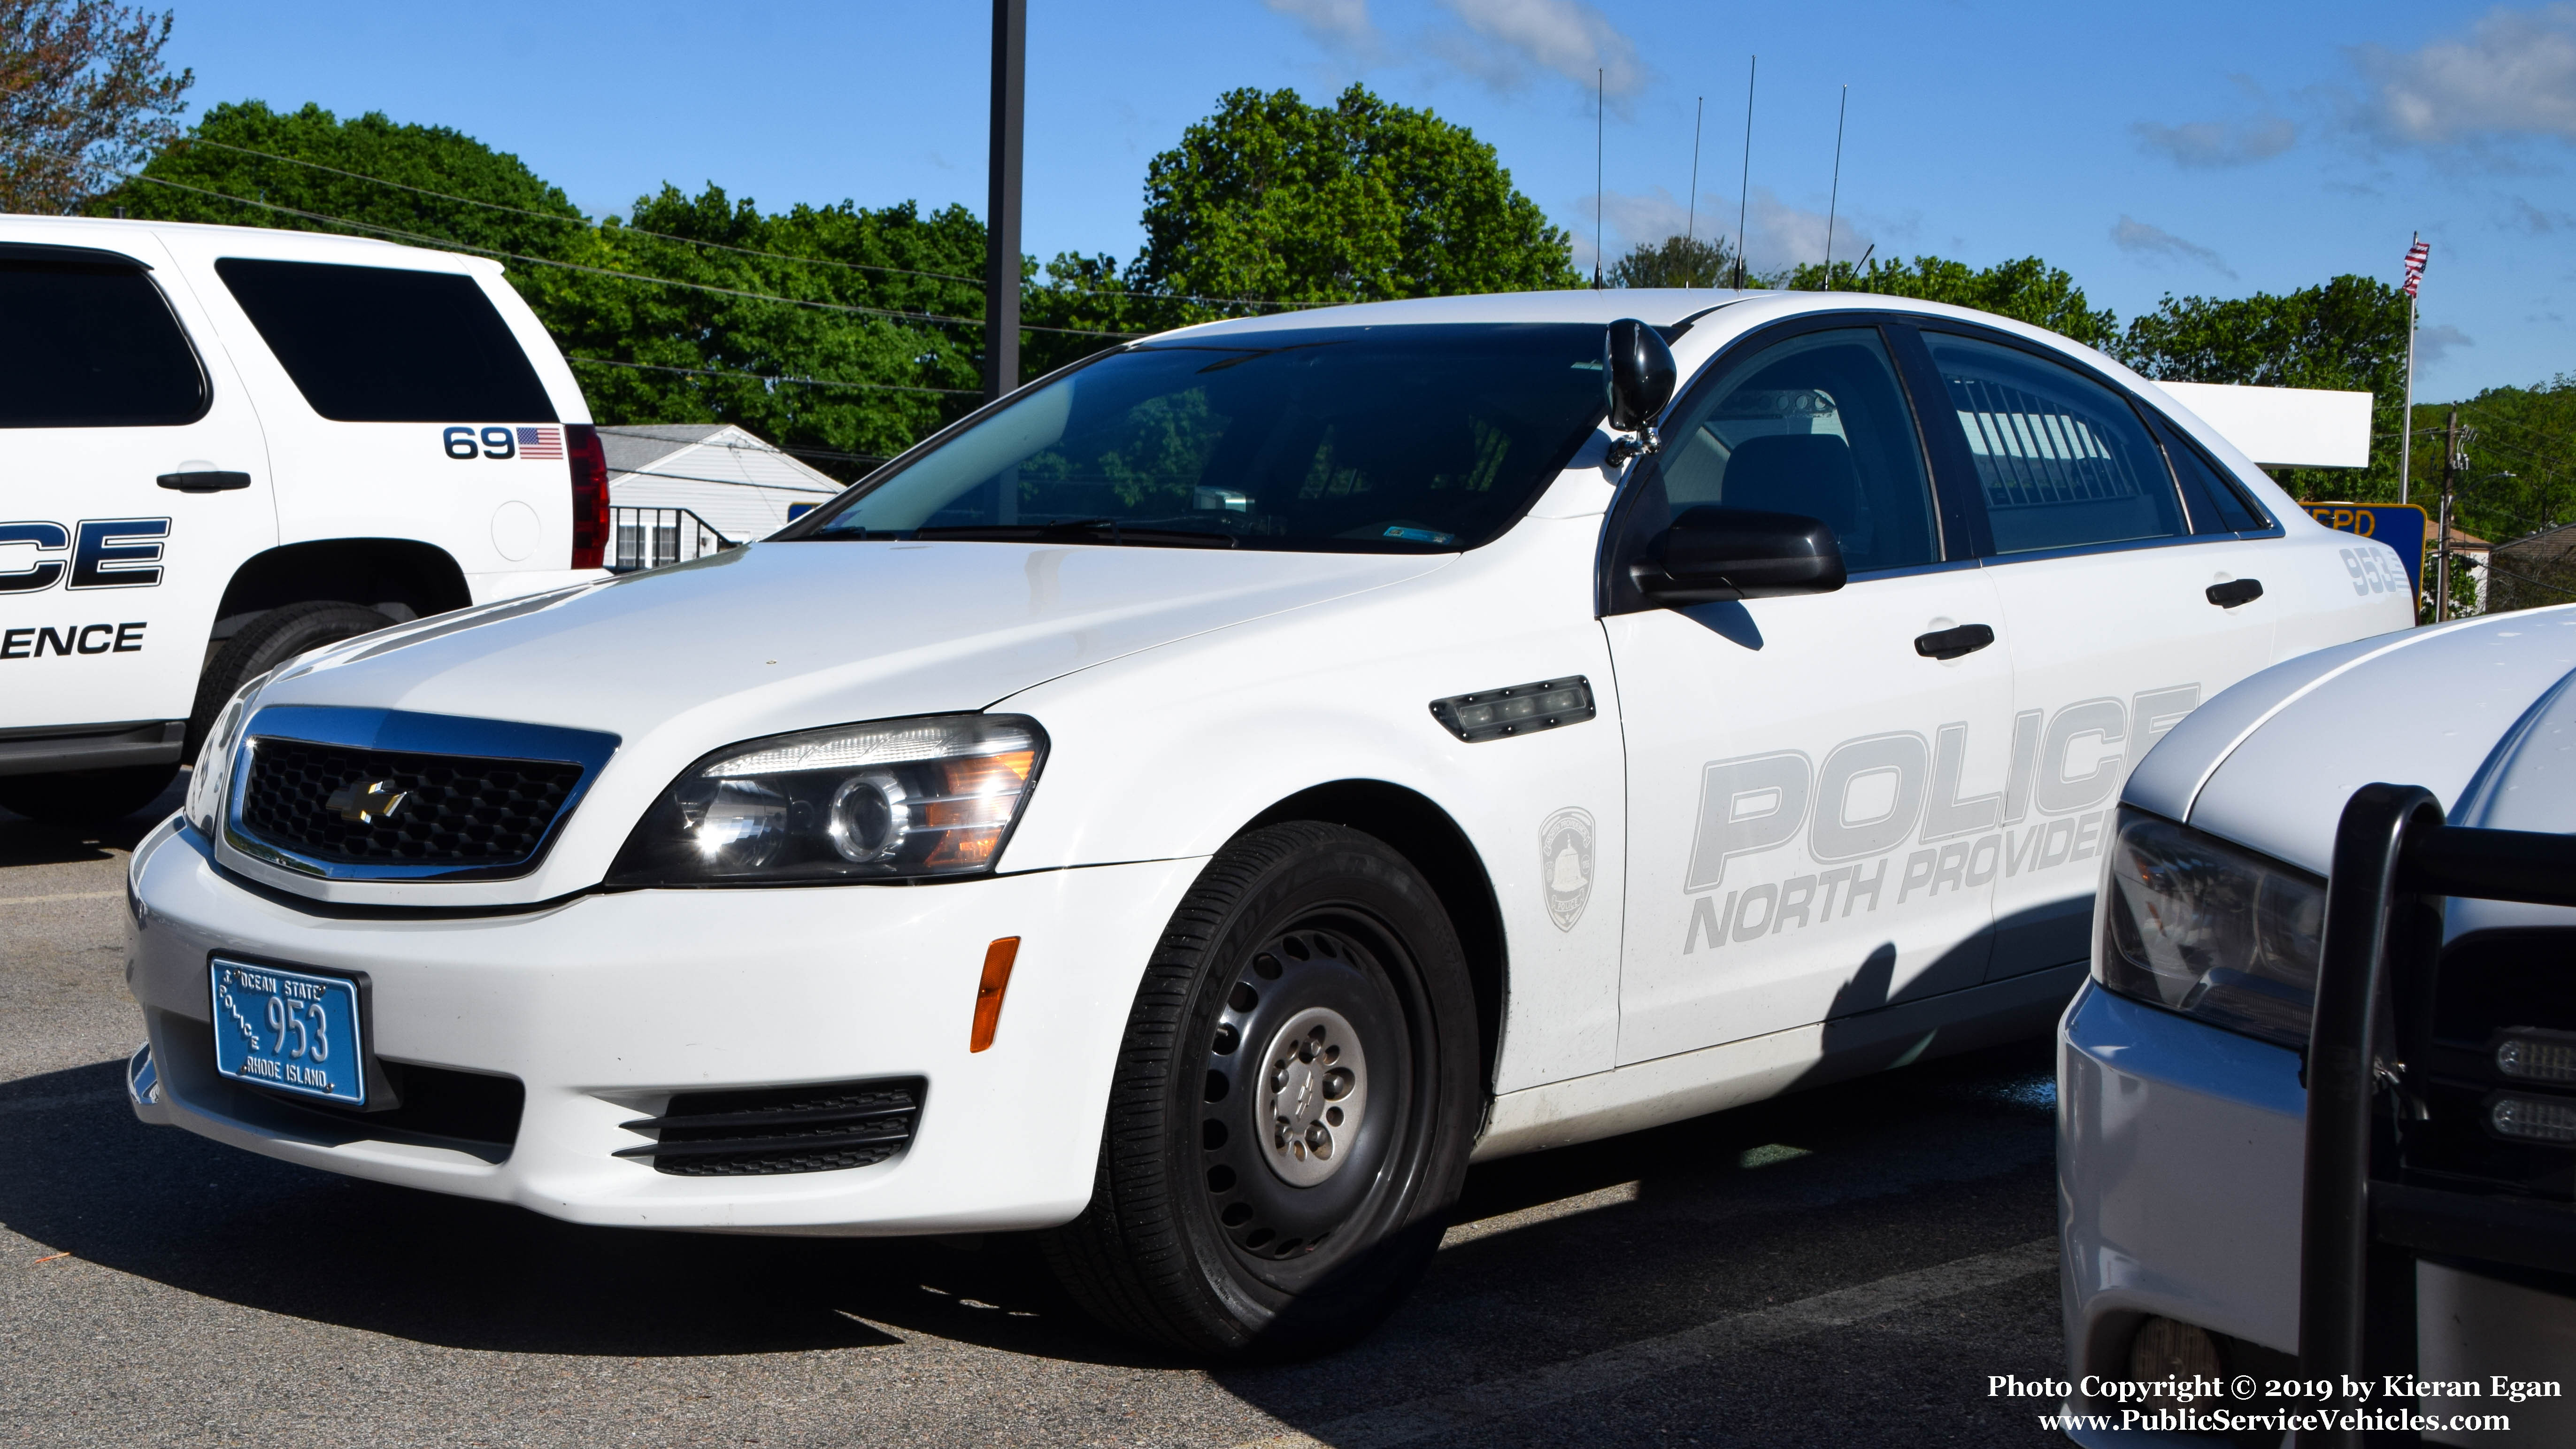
(589, 494)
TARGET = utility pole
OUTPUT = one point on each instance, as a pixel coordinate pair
(1002, 210)
(2451, 465)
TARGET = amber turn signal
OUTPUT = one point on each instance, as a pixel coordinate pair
(988, 992)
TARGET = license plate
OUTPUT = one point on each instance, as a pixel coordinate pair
(290, 1031)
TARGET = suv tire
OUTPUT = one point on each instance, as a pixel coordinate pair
(1308, 1002)
(267, 642)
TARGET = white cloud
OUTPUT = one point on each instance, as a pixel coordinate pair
(2141, 239)
(1339, 25)
(1777, 234)
(2513, 75)
(2432, 344)
(1506, 37)
(2219, 143)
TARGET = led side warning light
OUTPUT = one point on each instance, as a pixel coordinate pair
(1493, 714)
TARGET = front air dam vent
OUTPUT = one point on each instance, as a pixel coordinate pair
(823, 1127)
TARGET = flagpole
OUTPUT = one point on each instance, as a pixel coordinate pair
(2406, 425)
(2406, 429)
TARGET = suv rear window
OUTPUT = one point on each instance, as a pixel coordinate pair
(86, 345)
(386, 345)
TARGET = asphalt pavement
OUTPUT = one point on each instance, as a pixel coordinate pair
(1842, 1266)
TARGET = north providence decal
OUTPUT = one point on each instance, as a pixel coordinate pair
(1876, 795)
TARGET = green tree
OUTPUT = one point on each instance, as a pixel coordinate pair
(2348, 335)
(2027, 290)
(1676, 261)
(243, 164)
(2518, 451)
(842, 373)
(83, 95)
(1362, 200)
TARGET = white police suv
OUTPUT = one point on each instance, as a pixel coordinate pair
(222, 446)
(2317, 1106)
(1196, 804)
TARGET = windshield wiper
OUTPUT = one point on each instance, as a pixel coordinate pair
(1084, 530)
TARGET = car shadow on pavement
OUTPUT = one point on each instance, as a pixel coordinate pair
(86, 1178)
(164, 1205)
(32, 842)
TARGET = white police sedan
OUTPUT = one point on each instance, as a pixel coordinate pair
(1195, 805)
(2274, 1188)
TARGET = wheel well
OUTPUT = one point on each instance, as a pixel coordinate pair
(1424, 834)
(378, 572)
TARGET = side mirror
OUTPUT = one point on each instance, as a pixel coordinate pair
(1713, 553)
(1637, 372)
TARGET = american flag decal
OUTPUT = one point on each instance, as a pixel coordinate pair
(541, 442)
(2416, 256)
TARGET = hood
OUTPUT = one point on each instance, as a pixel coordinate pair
(781, 636)
(2479, 713)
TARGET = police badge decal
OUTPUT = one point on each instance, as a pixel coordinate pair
(1565, 864)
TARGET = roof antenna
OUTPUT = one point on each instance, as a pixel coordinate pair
(1600, 101)
(1743, 191)
(1690, 233)
(1835, 197)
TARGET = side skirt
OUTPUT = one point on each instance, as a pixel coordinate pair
(1711, 1079)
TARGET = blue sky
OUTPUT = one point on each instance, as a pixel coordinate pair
(2187, 147)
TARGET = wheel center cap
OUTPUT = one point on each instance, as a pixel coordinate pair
(1314, 1095)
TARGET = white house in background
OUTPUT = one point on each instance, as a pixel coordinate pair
(741, 485)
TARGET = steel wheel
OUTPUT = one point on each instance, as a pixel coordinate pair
(1293, 1108)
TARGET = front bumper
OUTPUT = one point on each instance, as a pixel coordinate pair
(2179, 1151)
(605, 1005)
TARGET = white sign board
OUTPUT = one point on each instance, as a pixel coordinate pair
(2284, 427)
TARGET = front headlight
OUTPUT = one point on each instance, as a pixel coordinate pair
(211, 780)
(899, 799)
(2197, 926)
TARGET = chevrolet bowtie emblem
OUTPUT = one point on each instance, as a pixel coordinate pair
(366, 802)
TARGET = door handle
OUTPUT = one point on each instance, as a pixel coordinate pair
(203, 482)
(2234, 592)
(1951, 643)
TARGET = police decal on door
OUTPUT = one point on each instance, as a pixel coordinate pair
(1875, 795)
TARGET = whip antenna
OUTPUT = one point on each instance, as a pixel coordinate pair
(1836, 196)
(1743, 193)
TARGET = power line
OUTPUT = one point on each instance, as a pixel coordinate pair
(583, 221)
(767, 377)
(451, 244)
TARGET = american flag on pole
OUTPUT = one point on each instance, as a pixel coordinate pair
(540, 442)
(2415, 258)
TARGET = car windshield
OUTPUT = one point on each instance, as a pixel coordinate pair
(1380, 439)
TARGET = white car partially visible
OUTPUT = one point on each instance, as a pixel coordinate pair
(2184, 1064)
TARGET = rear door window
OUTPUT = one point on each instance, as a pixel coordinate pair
(2063, 461)
(91, 345)
(2218, 504)
(388, 345)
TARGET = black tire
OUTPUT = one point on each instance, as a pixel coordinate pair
(266, 642)
(1193, 1238)
(86, 797)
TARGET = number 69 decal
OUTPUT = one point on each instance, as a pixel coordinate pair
(462, 442)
